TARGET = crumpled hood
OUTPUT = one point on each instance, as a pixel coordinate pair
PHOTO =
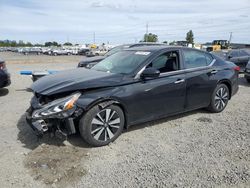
(75, 79)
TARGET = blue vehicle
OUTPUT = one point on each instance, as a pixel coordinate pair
(35, 75)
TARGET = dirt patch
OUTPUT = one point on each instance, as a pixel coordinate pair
(205, 120)
(56, 165)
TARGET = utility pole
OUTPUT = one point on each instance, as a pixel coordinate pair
(147, 32)
(67, 38)
(94, 37)
(230, 38)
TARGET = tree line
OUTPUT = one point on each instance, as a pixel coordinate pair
(150, 37)
(20, 43)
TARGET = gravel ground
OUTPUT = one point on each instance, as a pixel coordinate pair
(195, 149)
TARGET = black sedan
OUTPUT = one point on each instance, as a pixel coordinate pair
(240, 57)
(4, 75)
(130, 87)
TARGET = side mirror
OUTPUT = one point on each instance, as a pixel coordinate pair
(229, 57)
(150, 73)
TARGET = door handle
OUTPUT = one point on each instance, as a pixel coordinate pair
(213, 72)
(179, 81)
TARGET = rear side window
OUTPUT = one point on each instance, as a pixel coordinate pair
(194, 59)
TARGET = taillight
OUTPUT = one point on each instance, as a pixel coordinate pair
(2, 66)
(237, 68)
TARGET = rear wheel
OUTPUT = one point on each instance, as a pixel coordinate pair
(248, 80)
(219, 98)
(99, 127)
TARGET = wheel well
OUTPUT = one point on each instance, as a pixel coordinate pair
(228, 84)
(108, 102)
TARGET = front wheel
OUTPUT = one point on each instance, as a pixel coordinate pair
(219, 98)
(99, 127)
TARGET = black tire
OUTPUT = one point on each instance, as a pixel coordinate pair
(96, 130)
(248, 80)
(219, 99)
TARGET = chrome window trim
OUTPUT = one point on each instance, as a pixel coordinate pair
(178, 71)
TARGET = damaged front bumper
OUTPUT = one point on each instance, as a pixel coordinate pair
(57, 117)
(59, 128)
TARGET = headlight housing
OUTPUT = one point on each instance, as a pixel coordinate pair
(59, 108)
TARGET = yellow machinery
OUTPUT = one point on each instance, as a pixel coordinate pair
(93, 46)
(218, 45)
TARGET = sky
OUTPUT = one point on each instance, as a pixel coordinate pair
(123, 21)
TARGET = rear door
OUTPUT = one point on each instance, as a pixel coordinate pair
(200, 81)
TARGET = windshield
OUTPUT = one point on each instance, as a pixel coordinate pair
(116, 49)
(123, 62)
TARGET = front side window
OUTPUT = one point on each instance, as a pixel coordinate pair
(195, 59)
(166, 62)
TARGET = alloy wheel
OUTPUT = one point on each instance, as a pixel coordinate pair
(105, 125)
(221, 98)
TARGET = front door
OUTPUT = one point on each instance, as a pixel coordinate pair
(163, 95)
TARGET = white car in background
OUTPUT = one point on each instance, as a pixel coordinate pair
(61, 51)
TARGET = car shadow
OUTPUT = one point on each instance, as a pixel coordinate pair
(3, 92)
(243, 82)
(29, 139)
(27, 136)
(165, 120)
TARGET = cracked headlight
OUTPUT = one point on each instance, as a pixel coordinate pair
(59, 108)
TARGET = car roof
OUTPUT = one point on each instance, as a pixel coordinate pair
(131, 45)
(146, 44)
(154, 48)
(240, 49)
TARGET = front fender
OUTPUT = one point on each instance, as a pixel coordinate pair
(91, 98)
